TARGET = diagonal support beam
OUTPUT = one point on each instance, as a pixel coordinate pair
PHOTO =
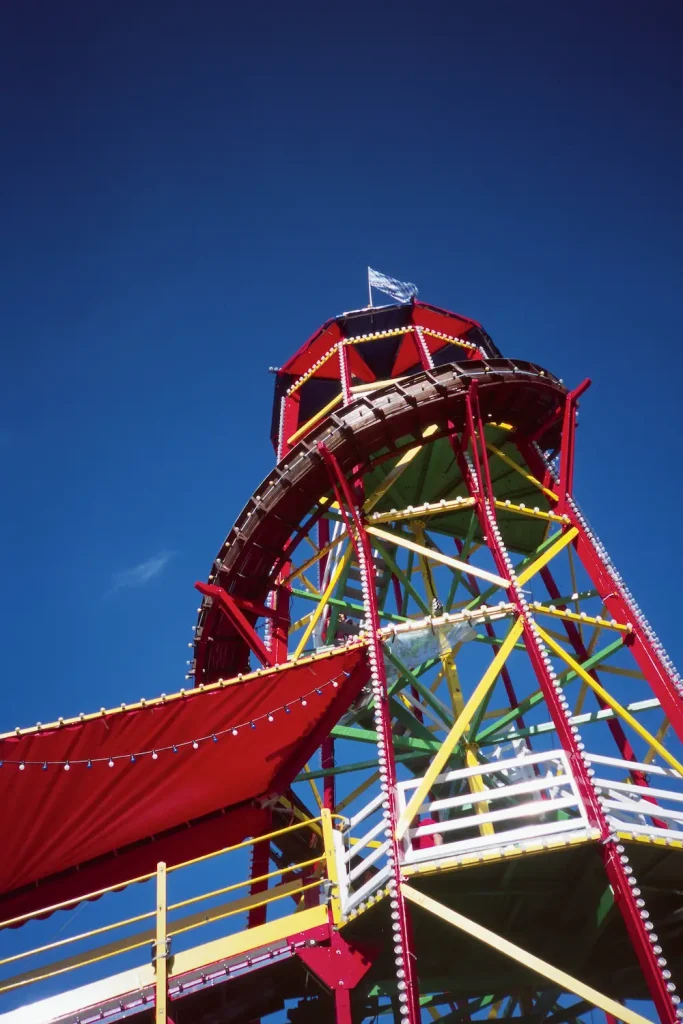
(566, 981)
(232, 611)
(607, 697)
(341, 565)
(436, 556)
(457, 732)
(547, 556)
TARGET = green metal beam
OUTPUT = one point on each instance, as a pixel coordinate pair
(536, 698)
(435, 704)
(345, 732)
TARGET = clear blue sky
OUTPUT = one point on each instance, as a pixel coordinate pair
(188, 190)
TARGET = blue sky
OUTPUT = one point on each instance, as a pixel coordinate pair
(188, 193)
(189, 190)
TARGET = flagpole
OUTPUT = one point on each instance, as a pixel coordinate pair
(369, 290)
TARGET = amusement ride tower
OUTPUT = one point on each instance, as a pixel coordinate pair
(422, 699)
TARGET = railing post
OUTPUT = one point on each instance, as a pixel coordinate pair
(331, 864)
(161, 951)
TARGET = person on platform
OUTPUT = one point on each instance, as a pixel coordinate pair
(346, 628)
(426, 842)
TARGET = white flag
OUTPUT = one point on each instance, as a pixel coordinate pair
(404, 291)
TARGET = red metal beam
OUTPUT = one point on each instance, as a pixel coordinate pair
(404, 957)
(614, 858)
(568, 444)
(232, 611)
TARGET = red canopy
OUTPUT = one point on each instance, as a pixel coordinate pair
(265, 726)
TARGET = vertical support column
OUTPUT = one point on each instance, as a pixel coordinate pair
(279, 627)
(289, 421)
(627, 895)
(404, 958)
(260, 861)
(344, 372)
(327, 762)
(331, 863)
(568, 444)
(342, 1006)
(161, 952)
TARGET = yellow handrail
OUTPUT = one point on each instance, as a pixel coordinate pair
(241, 885)
(78, 938)
(168, 929)
(44, 911)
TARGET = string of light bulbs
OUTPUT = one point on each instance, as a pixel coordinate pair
(173, 748)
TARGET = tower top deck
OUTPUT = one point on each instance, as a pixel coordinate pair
(381, 343)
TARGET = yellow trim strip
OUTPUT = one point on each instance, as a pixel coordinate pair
(566, 981)
(312, 370)
(589, 620)
(418, 511)
(547, 556)
(246, 677)
(535, 513)
(436, 556)
(609, 699)
(458, 729)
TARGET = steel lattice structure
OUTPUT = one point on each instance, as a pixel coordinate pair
(485, 816)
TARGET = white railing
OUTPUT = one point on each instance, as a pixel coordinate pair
(481, 807)
(511, 801)
(641, 810)
(362, 849)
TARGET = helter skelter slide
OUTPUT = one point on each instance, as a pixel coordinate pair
(428, 766)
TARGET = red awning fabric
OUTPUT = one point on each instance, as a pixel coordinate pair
(55, 819)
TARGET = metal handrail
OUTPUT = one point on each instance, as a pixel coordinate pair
(43, 911)
(163, 908)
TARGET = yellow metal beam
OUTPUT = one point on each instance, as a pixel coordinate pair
(419, 511)
(459, 728)
(589, 620)
(661, 733)
(358, 791)
(326, 409)
(436, 556)
(341, 565)
(252, 938)
(547, 556)
(331, 858)
(565, 981)
(477, 785)
(393, 474)
(160, 957)
(534, 513)
(319, 553)
(522, 472)
(609, 699)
